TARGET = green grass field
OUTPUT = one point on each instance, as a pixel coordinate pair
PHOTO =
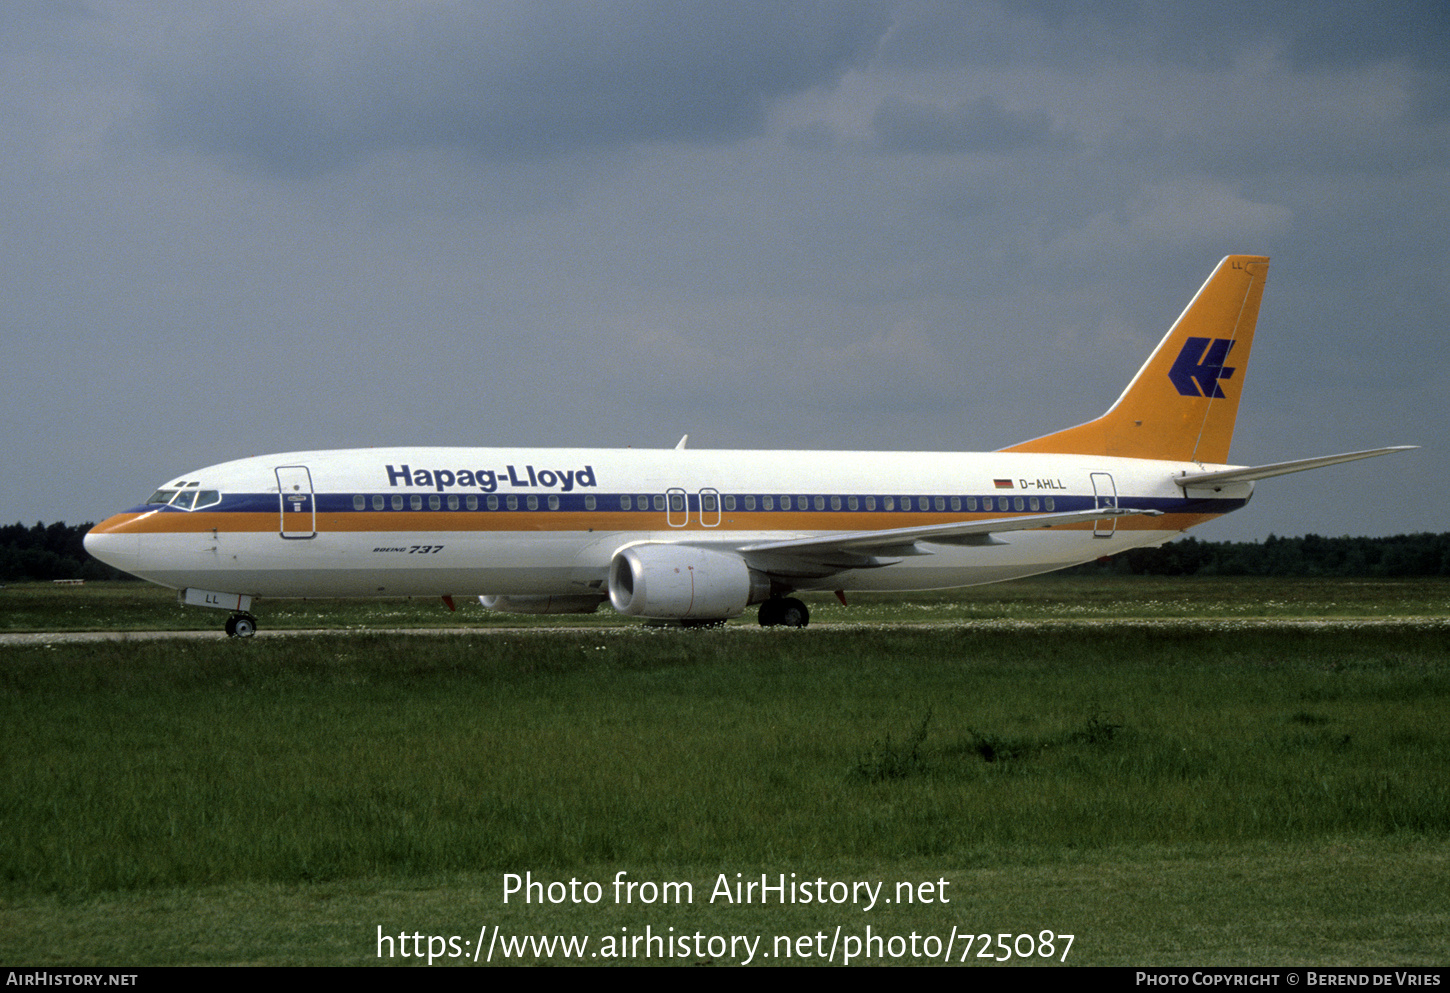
(1174, 792)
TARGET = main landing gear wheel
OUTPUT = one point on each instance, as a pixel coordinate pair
(784, 612)
(241, 626)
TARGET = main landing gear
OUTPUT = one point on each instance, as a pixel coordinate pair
(241, 625)
(784, 612)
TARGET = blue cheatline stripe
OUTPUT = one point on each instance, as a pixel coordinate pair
(836, 503)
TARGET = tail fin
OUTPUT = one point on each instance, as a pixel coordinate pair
(1183, 402)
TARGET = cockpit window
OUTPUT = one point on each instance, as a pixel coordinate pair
(185, 499)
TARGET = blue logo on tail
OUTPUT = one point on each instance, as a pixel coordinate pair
(1200, 366)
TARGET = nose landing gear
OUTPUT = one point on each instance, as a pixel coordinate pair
(241, 625)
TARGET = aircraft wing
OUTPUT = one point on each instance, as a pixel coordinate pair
(1280, 468)
(823, 554)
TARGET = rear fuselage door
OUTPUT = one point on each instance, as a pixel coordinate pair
(1105, 494)
(296, 502)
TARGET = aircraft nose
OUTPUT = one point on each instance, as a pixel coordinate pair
(117, 549)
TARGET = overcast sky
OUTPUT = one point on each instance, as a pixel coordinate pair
(238, 228)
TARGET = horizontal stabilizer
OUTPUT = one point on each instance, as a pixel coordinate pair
(1280, 468)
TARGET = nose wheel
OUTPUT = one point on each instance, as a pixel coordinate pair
(241, 625)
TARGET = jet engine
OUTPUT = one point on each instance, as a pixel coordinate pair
(578, 603)
(679, 582)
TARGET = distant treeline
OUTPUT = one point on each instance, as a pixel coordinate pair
(49, 551)
(54, 551)
(1311, 555)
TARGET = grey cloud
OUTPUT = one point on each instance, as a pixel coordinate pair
(19, 15)
(503, 82)
(942, 33)
(981, 125)
(469, 231)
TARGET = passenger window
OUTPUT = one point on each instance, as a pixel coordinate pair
(626, 502)
(853, 504)
(435, 502)
(1051, 504)
(785, 503)
(767, 503)
(820, 503)
(971, 503)
(707, 503)
(471, 502)
(590, 503)
(870, 503)
(986, 503)
(730, 502)
(415, 502)
(511, 502)
(750, 503)
(1034, 504)
(677, 502)
(956, 504)
(377, 501)
(492, 503)
(359, 502)
(533, 502)
(889, 503)
(397, 501)
(940, 503)
(1017, 502)
(452, 502)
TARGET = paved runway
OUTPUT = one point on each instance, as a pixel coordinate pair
(77, 637)
(1176, 623)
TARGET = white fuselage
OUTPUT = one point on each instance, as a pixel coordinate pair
(540, 522)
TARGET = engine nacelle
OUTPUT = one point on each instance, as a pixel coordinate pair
(578, 603)
(678, 582)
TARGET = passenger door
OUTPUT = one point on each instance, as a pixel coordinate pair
(296, 502)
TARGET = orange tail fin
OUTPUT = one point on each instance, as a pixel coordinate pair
(1182, 404)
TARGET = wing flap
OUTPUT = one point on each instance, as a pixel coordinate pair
(898, 542)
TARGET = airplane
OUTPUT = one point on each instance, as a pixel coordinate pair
(698, 536)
